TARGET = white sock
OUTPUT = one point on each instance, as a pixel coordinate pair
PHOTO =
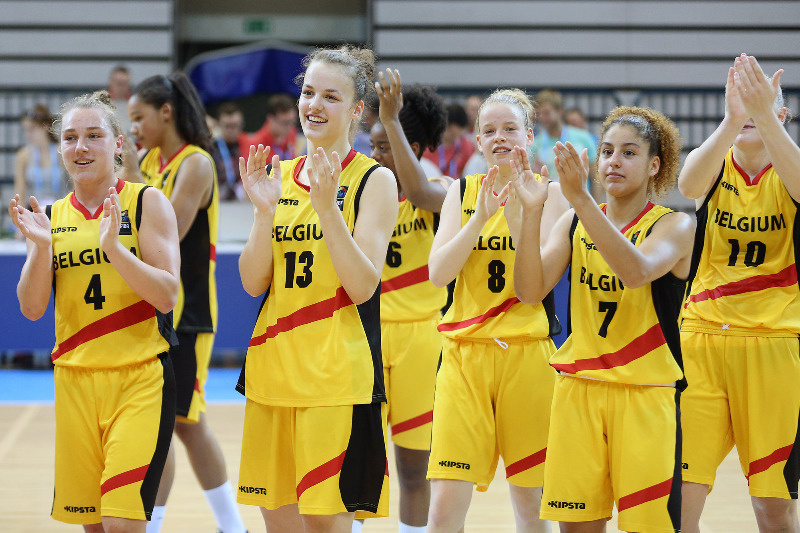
(224, 508)
(357, 526)
(405, 528)
(156, 519)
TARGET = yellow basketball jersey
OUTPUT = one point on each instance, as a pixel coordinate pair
(744, 270)
(100, 321)
(406, 291)
(311, 345)
(196, 310)
(620, 334)
(484, 304)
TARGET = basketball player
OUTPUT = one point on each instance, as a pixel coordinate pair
(109, 252)
(313, 449)
(614, 431)
(494, 368)
(741, 315)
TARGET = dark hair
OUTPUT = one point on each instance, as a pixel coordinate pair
(120, 68)
(228, 108)
(663, 139)
(456, 115)
(41, 116)
(423, 116)
(99, 100)
(190, 115)
(280, 103)
(359, 63)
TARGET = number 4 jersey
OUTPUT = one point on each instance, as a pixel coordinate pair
(744, 265)
(100, 321)
(617, 333)
(484, 303)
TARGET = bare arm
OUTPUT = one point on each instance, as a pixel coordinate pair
(156, 277)
(130, 161)
(453, 243)
(358, 258)
(36, 278)
(413, 182)
(703, 164)
(256, 262)
(20, 161)
(194, 185)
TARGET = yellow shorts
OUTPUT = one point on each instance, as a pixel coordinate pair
(190, 358)
(410, 356)
(113, 429)
(328, 460)
(492, 401)
(743, 391)
(613, 443)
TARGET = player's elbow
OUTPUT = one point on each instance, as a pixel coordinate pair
(686, 189)
(527, 295)
(167, 301)
(635, 278)
(32, 311)
(438, 277)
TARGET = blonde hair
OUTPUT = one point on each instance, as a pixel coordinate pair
(99, 100)
(357, 62)
(512, 97)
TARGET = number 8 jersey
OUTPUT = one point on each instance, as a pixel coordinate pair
(100, 321)
(484, 303)
(744, 265)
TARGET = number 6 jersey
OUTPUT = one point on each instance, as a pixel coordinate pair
(617, 333)
(744, 264)
(100, 321)
(484, 304)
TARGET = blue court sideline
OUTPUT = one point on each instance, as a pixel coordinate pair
(36, 386)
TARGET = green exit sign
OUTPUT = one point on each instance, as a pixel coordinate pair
(257, 26)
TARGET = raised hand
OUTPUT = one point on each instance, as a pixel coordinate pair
(263, 190)
(489, 201)
(526, 191)
(323, 178)
(573, 170)
(110, 221)
(734, 108)
(390, 94)
(756, 92)
(33, 224)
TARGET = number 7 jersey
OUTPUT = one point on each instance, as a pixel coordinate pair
(100, 321)
(744, 265)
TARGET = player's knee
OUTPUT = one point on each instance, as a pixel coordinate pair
(188, 432)
(412, 475)
(774, 513)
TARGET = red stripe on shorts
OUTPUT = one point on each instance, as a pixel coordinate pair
(197, 384)
(320, 474)
(133, 314)
(125, 478)
(213, 253)
(638, 347)
(784, 278)
(412, 277)
(494, 311)
(411, 423)
(305, 315)
(526, 463)
(645, 495)
(759, 465)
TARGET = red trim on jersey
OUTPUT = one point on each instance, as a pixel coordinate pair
(650, 205)
(126, 478)
(412, 277)
(747, 179)
(320, 474)
(197, 385)
(784, 278)
(526, 463)
(638, 347)
(85, 212)
(495, 194)
(645, 495)
(411, 423)
(494, 311)
(302, 161)
(760, 465)
(165, 165)
(133, 314)
(305, 315)
(213, 254)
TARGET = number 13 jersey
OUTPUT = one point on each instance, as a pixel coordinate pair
(744, 265)
(484, 303)
(311, 345)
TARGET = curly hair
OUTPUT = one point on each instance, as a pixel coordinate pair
(662, 136)
(358, 63)
(423, 116)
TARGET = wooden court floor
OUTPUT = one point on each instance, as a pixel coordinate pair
(26, 483)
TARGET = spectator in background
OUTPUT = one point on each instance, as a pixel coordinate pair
(456, 148)
(575, 117)
(119, 88)
(227, 140)
(37, 170)
(360, 138)
(279, 131)
(549, 107)
(471, 107)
